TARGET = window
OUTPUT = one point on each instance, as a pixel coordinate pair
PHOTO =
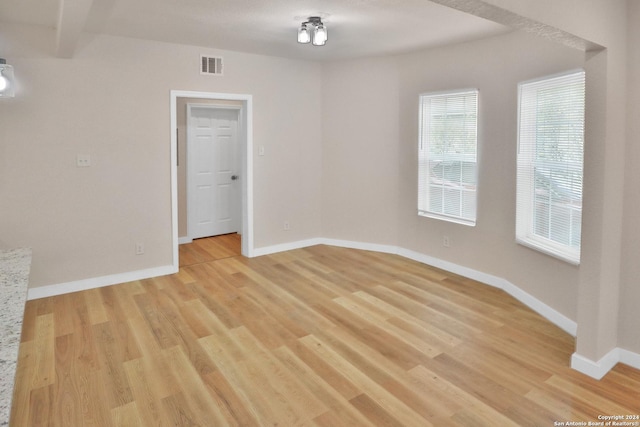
(448, 156)
(550, 158)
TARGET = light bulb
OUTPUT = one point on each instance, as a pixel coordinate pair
(320, 35)
(303, 34)
(7, 89)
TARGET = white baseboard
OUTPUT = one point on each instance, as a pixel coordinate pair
(597, 369)
(629, 358)
(268, 250)
(98, 282)
(387, 249)
(600, 368)
(184, 240)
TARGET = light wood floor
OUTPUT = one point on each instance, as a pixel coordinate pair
(320, 336)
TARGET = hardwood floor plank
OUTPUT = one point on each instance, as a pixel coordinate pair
(396, 408)
(290, 321)
(203, 407)
(215, 298)
(164, 333)
(146, 396)
(228, 401)
(400, 353)
(112, 355)
(178, 412)
(320, 336)
(322, 389)
(297, 403)
(456, 400)
(95, 306)
(118, 319)
(397, 263)
(426, 323)
(126, 415)
(561, 405)
(381, 369)
(475, 315)
(301, 312)
(323, 369)
(482, 417)
(337, 417)
(518, 376)
(447, 398)
(529, 414)
(183, 333)
(588, 398)
(83, 343)
(374, 412)
(44, 373)
(65, 407)
(29, 322)
(476, 383)
(63, 315)
(94, 394)
(44, 306)
(156, 372)
(374, 319)
(620, 386)
(256, 396)
(23, 386)
(125, 295)
(40, 410)
(443, 321)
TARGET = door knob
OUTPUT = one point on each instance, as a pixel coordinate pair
(234, 177)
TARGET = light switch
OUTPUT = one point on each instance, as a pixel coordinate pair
(83, 160)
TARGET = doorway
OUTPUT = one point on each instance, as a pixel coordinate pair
(242, 105)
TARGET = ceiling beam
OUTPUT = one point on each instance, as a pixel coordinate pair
(72, 18)
(484, 9)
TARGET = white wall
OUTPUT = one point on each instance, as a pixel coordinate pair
(112, 101)
(629, 319)
(360, 151)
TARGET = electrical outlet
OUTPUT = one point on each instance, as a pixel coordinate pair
(139, 248)
(446, 242)
(286, 226)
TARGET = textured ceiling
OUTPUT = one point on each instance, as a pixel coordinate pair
(356, 27)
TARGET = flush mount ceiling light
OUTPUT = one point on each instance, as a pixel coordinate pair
(317, 34)
(7, 89)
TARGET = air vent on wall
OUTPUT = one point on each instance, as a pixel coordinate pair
(210, 65)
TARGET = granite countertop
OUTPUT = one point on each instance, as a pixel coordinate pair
(14, 278)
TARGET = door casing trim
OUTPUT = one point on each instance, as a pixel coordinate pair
(246, 160)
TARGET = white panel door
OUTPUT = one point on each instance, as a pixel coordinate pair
(213, 165)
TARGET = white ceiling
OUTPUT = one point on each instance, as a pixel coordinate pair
(355, 27)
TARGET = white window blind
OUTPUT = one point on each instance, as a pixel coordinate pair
(550, 165)
(447, 174)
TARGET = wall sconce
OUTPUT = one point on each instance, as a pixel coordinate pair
(318, 34)
(7, 84)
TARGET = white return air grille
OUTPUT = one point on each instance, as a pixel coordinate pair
(211, 65)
